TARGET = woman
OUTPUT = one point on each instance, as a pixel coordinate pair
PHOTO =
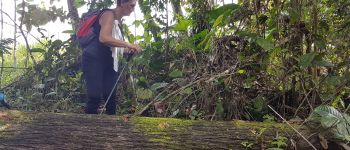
(100, 58)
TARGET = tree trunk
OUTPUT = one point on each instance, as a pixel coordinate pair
(176, 5)
(200, 19)
(1, 37)
(73, 14)
(20, 27)
(15, 37)
(77, 131)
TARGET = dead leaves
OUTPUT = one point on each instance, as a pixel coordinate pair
(126, 118)
(323, 141)
(5, 116)
(163, 125)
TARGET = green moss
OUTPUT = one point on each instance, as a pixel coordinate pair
(157, 121)
(161, 130)
(165, 128)
(259, 125)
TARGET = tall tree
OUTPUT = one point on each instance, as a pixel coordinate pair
(15, 37)
(73, 14)
(176, 4)
(1, 37)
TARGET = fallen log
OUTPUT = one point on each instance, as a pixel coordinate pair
(78, 131)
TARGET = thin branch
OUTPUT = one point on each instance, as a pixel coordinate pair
(25, 38)
(15, 38)
(225, 73)
(28, 33)
(1, 37)
(22, 32)
(284, 120)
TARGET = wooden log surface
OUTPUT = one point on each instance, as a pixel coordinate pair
(79, 131)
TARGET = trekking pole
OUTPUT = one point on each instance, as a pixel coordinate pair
(128, 57)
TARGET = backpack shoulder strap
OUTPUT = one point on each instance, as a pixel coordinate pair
(120, 25)
(104, 10)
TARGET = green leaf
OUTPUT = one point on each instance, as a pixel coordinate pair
(248, 83)
(207, 40)
(79, 3)
(333, 80)
(218, 21)
(214, 14)
(137, 23)
(329, 121)
(208, 44)
(187, 91)
(259, 103)
(219, 108)
(40, 50)
(269, 119)
(265, 44)
(55, 45)
(68, 31)
(147, 37)
(158, 85)
(201, 35)
(142, 82)
(280, 141)
(157, 64)
(176, 73)
(241, 71)
(320, 42)
(182, 25)
(325, 110)
(336, 101)
(333, 123)
(144, 93)
(323, 63)
(306, 60)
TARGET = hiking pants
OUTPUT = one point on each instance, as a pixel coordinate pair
(100, 78)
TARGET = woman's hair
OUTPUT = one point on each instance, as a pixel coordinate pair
(119, 2)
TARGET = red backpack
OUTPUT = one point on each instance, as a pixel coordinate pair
(86, 32)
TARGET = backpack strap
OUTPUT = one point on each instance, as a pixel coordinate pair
(101, 13)
(120, 24)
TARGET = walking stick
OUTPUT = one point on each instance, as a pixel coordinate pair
(128, 57)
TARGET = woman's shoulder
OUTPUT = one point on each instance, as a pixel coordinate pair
(107, 16)
(107, 13)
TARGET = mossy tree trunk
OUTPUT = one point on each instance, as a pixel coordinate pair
(74, 131)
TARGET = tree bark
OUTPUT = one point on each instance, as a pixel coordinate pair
(15, 37)
(176, 5)
(73, 14)
(1, 37)
(20, 27)
(77, 131)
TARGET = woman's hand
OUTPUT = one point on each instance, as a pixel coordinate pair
(134, 48)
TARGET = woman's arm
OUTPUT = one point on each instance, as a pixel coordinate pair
(105, 37)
